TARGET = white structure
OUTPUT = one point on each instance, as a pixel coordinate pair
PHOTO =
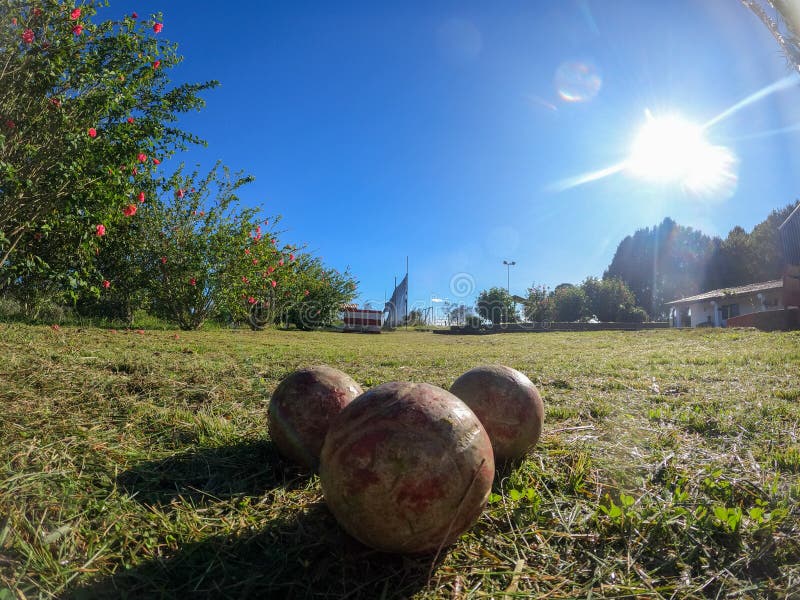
(714, 308)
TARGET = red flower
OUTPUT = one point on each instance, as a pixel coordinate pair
(10, 124)
(134, 171)
(129, 210)
(274, 283)
(37, 12)
(130, 120)
(255, 261)
(75, 14)
(92, 132)
(100, 230)
(156, 161)
(291, 257)
(78, 29)
(245, 280)
(27, 36)
(156, 64)
(157, 27)
(163, 260)
(106, 283)
(270, 269)
(141, 196)
(14, 21)
(176, 337)
(55, 102)
(202, 213)
(140, 331)
(55, 327)
(251, 300)
(142, 157)
(193, 281)
(280, 263)
(180, 193)
(306, 293)
(134, 16)
(247, 250)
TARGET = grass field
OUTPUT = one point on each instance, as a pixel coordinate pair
(138, 465)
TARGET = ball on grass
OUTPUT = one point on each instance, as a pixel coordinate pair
(508, 405)
(302, 407)
(406, 468)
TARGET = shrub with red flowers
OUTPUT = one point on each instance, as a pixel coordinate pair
(66, 160)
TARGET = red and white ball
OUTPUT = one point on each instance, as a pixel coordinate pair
(508, 405)
(406, 467)
(302, 408)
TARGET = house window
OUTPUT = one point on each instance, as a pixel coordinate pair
(729, 310)
(771, 302)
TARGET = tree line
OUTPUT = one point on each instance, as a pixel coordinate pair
(671, 261)
(650, 268)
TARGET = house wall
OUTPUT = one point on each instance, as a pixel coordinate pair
(702, 313)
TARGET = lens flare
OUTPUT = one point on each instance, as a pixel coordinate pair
(672, 150)
(577, 81)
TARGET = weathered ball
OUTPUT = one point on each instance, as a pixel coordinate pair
(406, 468)
(508, 405)
(302, 407)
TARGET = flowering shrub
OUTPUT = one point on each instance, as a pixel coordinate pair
(80, 104)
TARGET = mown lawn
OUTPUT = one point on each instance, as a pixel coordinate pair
(138, 465)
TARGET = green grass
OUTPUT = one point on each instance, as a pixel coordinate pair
(138, 465)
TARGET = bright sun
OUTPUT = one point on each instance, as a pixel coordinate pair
(672, 150)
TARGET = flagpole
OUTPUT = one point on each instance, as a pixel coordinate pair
(406, 310)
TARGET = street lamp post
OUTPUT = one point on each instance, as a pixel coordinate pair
(508, 265)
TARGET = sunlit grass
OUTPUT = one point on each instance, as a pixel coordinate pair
(139, 466)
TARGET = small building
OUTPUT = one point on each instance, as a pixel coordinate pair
(714, 308)
(362, 320)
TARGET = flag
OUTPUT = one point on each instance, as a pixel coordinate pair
(396, 307)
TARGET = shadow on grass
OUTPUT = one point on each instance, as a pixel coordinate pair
(211, 474)
(305, 556)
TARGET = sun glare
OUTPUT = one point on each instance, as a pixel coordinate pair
(672, 150)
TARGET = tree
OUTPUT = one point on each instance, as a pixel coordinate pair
(663, 263)
(607, 298)
(458, 314)
(84, 109)
(496, 305)
(538, 306)
(569, 303)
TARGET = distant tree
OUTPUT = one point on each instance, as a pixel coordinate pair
(569, 303)
(537, 306)
(496, 305)
(415, 317)
(766, 243)
(458, 314)
(663, 263)
(607, 298)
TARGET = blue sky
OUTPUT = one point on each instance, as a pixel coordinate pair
(440, 130)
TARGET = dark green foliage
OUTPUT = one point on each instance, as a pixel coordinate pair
(671, 261)
(496, 305)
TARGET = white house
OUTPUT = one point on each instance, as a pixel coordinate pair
(714, 308)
